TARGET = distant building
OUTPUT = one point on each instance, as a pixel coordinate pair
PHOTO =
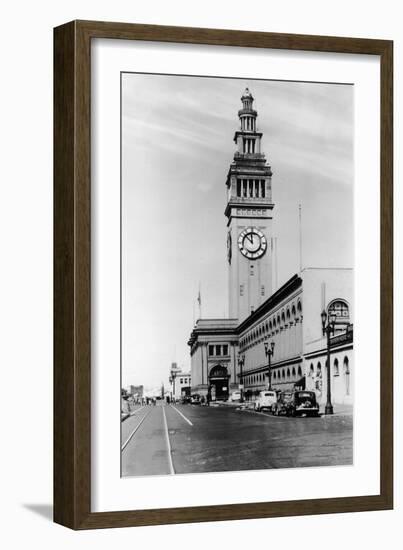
(136, 391)
(228, 354)
(180, 381)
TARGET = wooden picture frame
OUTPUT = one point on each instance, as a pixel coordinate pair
(72, 270)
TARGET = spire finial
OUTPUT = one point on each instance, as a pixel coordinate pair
(247, 99)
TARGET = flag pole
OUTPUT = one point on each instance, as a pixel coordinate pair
(199, 301)
(300, 237)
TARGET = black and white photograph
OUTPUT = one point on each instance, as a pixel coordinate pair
(237, 274)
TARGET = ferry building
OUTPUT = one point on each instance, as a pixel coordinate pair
(234, 353)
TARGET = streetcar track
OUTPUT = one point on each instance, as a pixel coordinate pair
(135, 430)
(136, 411)
(170, 460)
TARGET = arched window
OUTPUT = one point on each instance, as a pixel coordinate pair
(299, 306)
(283, 317)
(319, 370)
(346, 370)
(274, 322)
(293, 312)
(288, 373)
(283, 374)
(299, 371)
(340, 309)
(274, 375)
(270, 325)
(293, 372)
(336, 367)
(278, 319)
(311, 370)
(288, 313)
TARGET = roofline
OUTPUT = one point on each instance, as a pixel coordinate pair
(292, 284)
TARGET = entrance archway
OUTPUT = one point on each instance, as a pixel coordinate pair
(219, 383)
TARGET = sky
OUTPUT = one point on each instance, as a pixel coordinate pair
(177, 145)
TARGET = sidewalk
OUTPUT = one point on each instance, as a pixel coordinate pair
(224, 404)
(338, 409)
(235, 404)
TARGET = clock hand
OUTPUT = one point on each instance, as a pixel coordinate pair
(250, 237)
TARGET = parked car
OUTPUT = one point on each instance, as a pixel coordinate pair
(265, 400)
(282, 404)
(236, 395)
(303, 402)
(195, 399)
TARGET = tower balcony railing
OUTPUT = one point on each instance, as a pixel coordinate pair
(247, 112)
(249, 156)
(248, 200)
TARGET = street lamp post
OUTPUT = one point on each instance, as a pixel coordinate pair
(172, 381)
(269, 350)
(328, 323)
(241, 362)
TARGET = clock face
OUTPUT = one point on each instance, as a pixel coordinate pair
(252, 243)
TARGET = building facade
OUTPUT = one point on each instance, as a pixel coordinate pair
(136, 392)
(230, 354)
(180, 381)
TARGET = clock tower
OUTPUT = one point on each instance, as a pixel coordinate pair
(249, 212)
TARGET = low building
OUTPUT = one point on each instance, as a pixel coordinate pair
(226, 354)
(137, 392)
(180, 381)
(213, 349)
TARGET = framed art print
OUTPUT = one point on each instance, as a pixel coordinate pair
(223, 275)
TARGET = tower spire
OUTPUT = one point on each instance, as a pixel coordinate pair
(247, 115)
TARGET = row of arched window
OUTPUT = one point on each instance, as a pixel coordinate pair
(254, 378)
(284, 374)
(336, 371)
(287, 374)
(273, 324)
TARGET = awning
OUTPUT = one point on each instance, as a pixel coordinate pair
(300, 383)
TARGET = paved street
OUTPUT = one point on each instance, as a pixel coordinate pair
(178, 439)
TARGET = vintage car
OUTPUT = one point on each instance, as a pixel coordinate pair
(282, 405)
(303, 402)
(195, 399)
(236, 395)
(265, 400)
